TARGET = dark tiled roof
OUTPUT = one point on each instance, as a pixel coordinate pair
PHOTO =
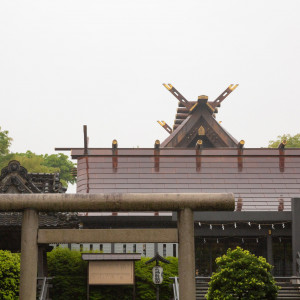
(14, 219)
(15, 178)
(261, 179)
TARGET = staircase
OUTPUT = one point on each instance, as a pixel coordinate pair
(289, 288)
(201, 287)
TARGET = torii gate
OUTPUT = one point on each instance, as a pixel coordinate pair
(184, 204)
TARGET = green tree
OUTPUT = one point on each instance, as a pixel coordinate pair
(69, 272)
(145, 286)
(63, 164)
(242, 276)
(37, 163)
(34, 163)
(291, 141)
(5, 142)
(9, 275)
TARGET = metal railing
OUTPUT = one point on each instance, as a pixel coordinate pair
(298, 263)
(43, 290)
(175, 288)
(43, 287)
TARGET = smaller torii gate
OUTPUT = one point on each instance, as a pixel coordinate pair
(185, 204)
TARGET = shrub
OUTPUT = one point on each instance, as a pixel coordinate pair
(69, 272)
(242, 275)
(146, 289)
(9, 275)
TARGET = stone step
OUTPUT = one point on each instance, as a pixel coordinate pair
(288, 291)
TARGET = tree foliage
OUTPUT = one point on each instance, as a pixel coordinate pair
(61, 162)
(70, 274)
(242, 276)
(9, 275)
(37, 163)
(145, 286)
(5, 142)
(292, 141)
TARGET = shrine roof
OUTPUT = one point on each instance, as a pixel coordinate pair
(198, 156)
(61, 220)
(261, 179)
(273, 152)
(15, 179)
(195, 121)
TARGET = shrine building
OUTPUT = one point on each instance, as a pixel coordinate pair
(200, 156)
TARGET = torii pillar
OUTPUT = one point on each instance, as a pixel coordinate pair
(186, 254)
(29, 254)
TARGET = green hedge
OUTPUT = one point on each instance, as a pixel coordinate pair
(70, 274)
(9, 275)
(69, 271)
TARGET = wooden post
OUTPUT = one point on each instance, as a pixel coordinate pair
(186, 255)
(85, 139)
(270, 250)
(295, 233)
(29, 255)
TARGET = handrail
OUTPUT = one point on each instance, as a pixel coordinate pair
(286, 277)
(175, 288)
(43, 289)
(298, 263)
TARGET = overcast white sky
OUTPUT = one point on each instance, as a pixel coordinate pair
(102, 63)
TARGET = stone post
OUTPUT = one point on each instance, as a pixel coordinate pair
(186, 255)
(29, 254)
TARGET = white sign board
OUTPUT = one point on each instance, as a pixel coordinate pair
(111, 272)
(157, 275)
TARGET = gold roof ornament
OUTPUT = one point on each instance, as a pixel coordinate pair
(201, 130)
